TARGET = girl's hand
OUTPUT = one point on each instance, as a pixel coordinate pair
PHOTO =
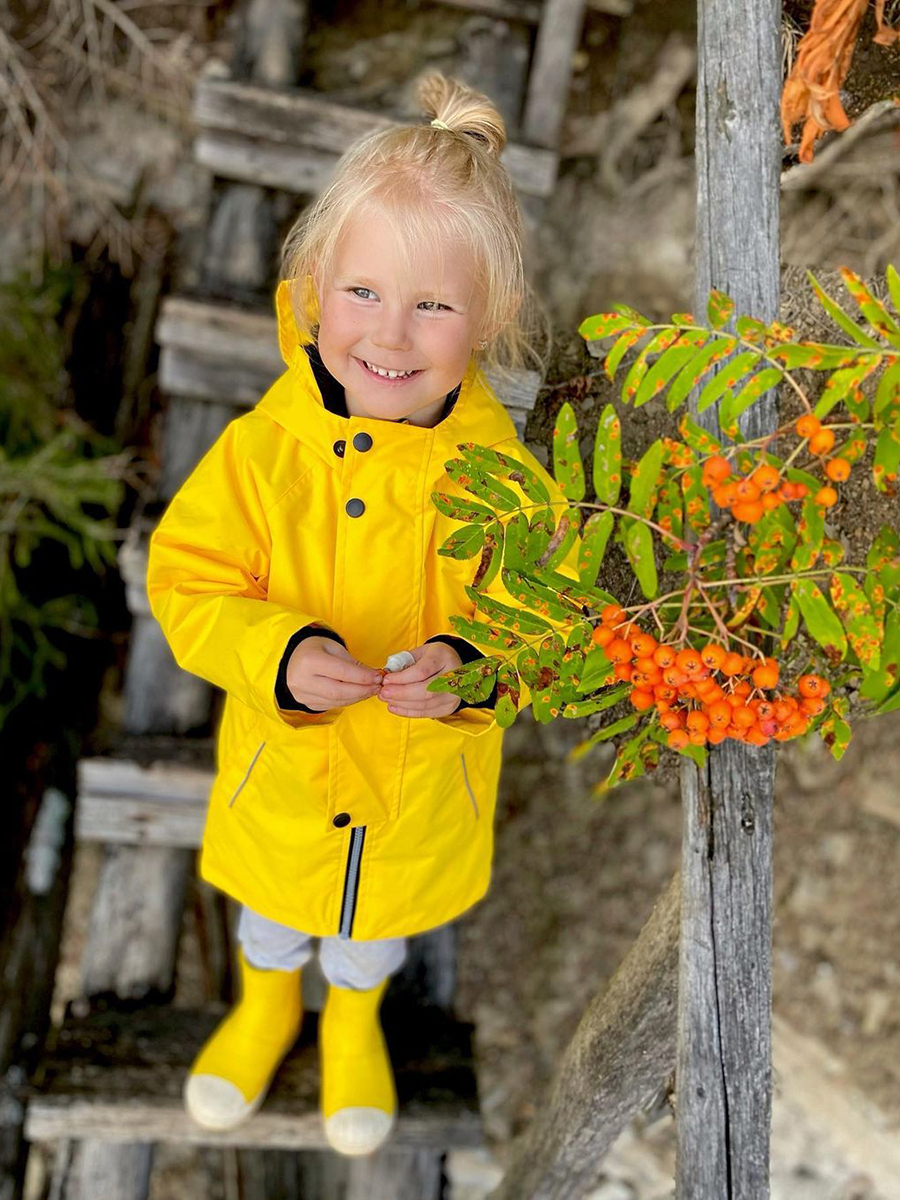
(406, 692)
(323, 674)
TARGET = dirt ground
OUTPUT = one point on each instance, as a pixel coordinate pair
(575, 879)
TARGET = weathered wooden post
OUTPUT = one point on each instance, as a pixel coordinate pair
(723, 1070)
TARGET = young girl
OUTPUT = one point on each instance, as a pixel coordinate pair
(351, 804)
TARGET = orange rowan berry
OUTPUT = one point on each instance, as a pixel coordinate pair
(663, 656)
(612, 614)
(688, 660)
(648, 665)
(670, 721)
(765, 677)
(674, 677)
(697, 720)
(756, 737)
(720, 714)
(662, 691)
(643, 644)
(622, 672)
(713, 655)
(813, 685)
(663, 706)
(642, 680)
(770, 501)
(826, 497)
(724, 494)
(676, 739)
(713, 694)
(787, 491)
(732, 664)
(738, 732)
(743, 688)
(765, 710)
(618, 651)
(743, 716)
(800, 490)
(717, 469)
(749, 511)
(602, 635)
(715, 736)
(697, 737)
(746, 489)
(766, 477)
(689, 691)
(808, 425)
(837, 469)
(641, 700)
(812, 705)
(822, 442)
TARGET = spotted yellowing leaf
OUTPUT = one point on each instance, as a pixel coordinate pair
(607, 464)
(567, 466)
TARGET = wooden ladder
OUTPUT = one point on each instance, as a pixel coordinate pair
(109, 1085)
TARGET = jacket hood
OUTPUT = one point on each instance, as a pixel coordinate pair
(295, 402)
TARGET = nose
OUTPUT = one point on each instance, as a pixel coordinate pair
(391, 331)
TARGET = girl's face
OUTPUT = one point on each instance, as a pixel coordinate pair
(372, 313)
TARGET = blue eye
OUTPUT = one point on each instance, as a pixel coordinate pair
(371, 293)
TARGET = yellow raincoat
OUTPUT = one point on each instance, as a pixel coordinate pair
(354, 822)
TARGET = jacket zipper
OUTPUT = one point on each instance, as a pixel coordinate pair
(351, 881)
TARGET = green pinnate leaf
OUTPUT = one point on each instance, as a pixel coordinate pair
(728, 376)
(639, 368)
(719, 308)
(820, 618)
(887, 459)
(697, 437)
(460, 509)
(639, 549)
(810, 533)
(517, 619)
(464, 543)
(482, 485)
(669, 363)
(495, 637)
(567, 466)
(693, 371)
(872, 309)
(734, 407)
(603, 325)
(834, 729)
(607, 464)
(594, 540)
(841, 318)
(508, 695)
(645, 480)
(864, 631)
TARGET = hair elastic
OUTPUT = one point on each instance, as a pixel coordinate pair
(440, 124)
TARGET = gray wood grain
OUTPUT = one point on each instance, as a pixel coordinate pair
(551, 71)
(724, 1021)
(292, 138)
(620, 1054)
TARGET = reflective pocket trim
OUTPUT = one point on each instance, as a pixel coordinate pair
(468, 785)
(246, 775)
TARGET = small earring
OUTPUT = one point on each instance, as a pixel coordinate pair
(482, 345)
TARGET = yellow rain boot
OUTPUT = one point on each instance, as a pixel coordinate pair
(232, 1072)
(358, 1098)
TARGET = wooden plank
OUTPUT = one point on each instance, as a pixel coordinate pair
(532, 11)
(118, 1076)
(126, 803)
(274, 136)
(551, 71)
(724, 1061)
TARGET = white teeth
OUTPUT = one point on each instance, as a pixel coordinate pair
(388, 374)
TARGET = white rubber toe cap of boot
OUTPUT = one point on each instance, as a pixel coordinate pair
(357, 1130)
(215, 1103)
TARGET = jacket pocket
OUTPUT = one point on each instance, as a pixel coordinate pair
(247, 773)
(468, 783)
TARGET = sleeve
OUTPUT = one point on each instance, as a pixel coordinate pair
(283, 694)
(207, 581)
(479, 718)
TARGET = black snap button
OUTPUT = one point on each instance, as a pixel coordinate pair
(355, 507)
(341, 820)
(362, 441)
(339, 447)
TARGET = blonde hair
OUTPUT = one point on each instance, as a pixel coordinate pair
(430, 182)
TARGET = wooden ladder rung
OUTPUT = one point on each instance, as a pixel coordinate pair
(291, 138)
(120, 801)
(117, 1077)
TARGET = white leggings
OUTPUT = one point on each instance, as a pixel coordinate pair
(345, 963)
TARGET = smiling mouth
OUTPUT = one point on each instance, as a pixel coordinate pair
(395, 377)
